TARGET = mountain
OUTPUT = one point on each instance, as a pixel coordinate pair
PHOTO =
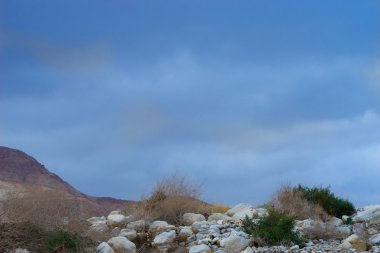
(22, 175)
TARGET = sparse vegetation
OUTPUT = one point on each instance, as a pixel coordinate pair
(51, 212)
(171, 198)
(218, 208)
(44, 224)
(64, 241)
(292, 202)
(275, 229)
(323, 197)
(349, 221)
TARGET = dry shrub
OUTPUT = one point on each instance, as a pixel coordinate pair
(55, 211)
(218, 208)
(171, 198)
(23, 235)
(292, 202)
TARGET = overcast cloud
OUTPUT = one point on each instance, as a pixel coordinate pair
(113, 100)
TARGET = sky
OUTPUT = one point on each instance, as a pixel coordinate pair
(241, 97)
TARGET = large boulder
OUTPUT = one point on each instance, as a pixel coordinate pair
(368, 213)
(354, 241)
(116, 218)
(200, 249)
(218, 217)
(165, 241)
(104, 248)
(157, 227)
(120, 244)
(234, 244)
(189, 218)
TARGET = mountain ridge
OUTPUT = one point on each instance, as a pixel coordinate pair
(21, 173)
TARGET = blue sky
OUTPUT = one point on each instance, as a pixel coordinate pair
(241, 96)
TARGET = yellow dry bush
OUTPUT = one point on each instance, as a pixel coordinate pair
(291, 202)
(218, 208)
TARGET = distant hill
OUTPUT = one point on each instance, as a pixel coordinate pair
(22, 175)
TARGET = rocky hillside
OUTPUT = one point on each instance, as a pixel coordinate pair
(23, 175)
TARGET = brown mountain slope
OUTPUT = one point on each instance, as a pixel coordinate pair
(22, 175)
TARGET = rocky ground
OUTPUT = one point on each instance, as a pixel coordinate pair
(222, 233)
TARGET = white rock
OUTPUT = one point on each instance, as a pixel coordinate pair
(375, 249)
(189, 218)
(360, 229)
(368, 213)
(242, 214)
(165, 242)
(157, 227)
(139, 225)
(234, 244)
(344, 231)
(200, 226)
(247, 250)
(99, 227)
(334, 221)
(20, 250)
(375, 239)
(184, 233)
(294, 248)
(130, 234)
(262, 212)
(200, 249)
(115, 219)
(354, 241)
(97, 220)
(104, 248)
(309, 225)
(165, 237)
(218, 217)
(120, 244)
(239, 208)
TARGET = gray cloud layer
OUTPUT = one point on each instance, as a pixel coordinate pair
(241, 130)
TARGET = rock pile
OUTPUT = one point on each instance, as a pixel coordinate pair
(222, 233)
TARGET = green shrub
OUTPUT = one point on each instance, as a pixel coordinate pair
(327, 200)
(349, 221)
(275, 229)
(64, 241)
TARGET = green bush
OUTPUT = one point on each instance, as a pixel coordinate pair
(64, 241)
(327, 200)
(275, 229)
(349, 221)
